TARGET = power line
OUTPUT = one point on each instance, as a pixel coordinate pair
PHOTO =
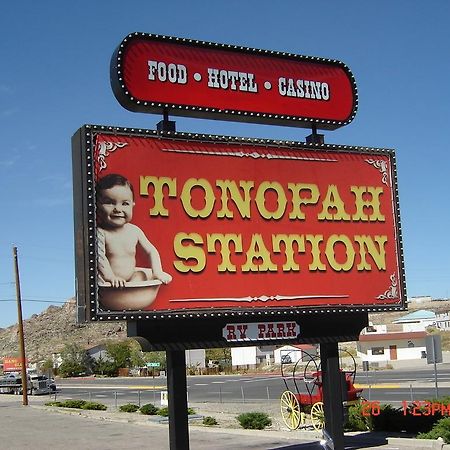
(31, 300)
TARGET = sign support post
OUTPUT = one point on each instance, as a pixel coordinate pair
(434, 356)
(177, 388)
(176, 369)
(332, 397)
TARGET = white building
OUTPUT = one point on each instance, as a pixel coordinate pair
(420, 299)
(371, 329)
(384, 347)
(252, 356)
(420, 320)
(293, 353)
(269, 354)
(196, 358)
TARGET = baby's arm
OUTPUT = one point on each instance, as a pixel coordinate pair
(155, 259)
(104, 267)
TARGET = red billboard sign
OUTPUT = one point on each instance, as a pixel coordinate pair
(12, 364)
(186, 225)
(151, 73)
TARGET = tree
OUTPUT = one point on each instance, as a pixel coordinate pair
(47, 365)
(75, 361)
(104, 366)
(120, 352)
(218, 354)
(137, 355)
(158, 357)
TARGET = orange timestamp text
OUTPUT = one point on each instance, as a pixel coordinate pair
(414, 408)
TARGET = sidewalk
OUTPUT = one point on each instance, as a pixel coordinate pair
(39, 427)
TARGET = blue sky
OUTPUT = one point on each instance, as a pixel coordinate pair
(54, 78)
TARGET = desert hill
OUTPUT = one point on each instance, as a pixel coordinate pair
(49, 331)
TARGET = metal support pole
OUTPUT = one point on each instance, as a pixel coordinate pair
(436, 389)
(165, 124)
(332, 396)
(21, 335)
(314, 137)
(177, 391)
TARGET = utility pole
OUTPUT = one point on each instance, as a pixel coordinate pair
(21, 336)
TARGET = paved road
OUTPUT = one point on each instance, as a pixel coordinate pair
(39, 427)
(386, 386)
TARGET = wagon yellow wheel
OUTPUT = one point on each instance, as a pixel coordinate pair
(290, 410)
(317, 416)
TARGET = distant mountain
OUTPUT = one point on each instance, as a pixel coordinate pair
(47, 332)
(437, 306)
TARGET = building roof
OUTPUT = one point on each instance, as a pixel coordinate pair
(415, 316)
(393, 336)
(297, 346)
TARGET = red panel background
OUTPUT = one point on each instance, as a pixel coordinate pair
(145, 156)
(265, 67)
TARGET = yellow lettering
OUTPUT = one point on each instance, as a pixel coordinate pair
(186, 247)
(158, 194)
(298, 200)
(374, 203)
(258, 250)
(186, 197)
(315, 240)
(331, 255)
(366, 243)
(288, 242)
(281, 200)
(242, 202)
(333, 201)
(224, 240)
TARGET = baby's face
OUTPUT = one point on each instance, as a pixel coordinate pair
(115, 206)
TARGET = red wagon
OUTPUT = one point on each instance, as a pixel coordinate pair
(304, 391)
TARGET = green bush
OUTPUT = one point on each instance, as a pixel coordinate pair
(94, 406)
(55, 403)
(389, 419)
(129, 408)
(149, 409)
(254, 420)
(400, 419)
(440, 430)
(77, 404)
(209, 421)
(164, 412)
(422, 422)
(356, 420)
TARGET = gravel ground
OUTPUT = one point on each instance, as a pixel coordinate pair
(224, 413)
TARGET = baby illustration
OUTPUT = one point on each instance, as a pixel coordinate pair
(118, 238)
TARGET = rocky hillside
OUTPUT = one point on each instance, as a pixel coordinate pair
(439, 307)
(46, 333)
